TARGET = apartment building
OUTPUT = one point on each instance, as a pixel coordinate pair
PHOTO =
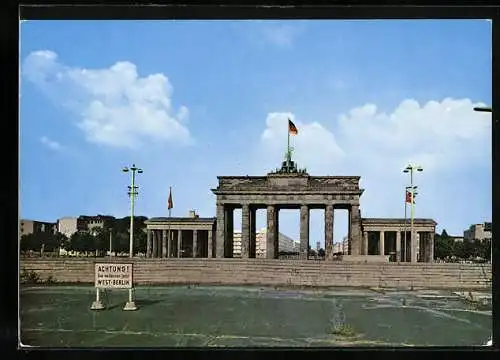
(33, 227)
(286, 244)
(70, 225)
(478, 232)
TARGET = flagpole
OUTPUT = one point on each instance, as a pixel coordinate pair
(288, 146)
(405, 226)
(169, 216)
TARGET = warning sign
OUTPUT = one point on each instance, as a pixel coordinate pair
(113, 276)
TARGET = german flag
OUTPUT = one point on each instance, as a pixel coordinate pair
(292, 129)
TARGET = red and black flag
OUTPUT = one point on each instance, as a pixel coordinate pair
(170, 201)
(292, 129)
(409, 197)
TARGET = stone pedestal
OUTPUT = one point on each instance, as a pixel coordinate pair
(130, 306)
(97, 305)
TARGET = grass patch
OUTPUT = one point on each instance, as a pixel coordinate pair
(344, 330)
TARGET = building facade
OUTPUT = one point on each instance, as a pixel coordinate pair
(478, 232)
(70, 225)
(286, 244)
(32, 227)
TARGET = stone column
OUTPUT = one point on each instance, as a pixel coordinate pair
(271, 232)
(355, 233)
(328, 231)
(398, 246)
(413, 246)
(210, 241)
(195, 243)
(179, 243)
(148, 245)
(169, 243)
(365, 243)
(304, 232)
(155, 244)
(381, 246)
(245, 231)
(164, 243)
(422, 243)
(220, 231)
(431, 247)
(253, 232)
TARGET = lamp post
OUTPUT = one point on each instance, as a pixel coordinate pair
(130, 305)
(132, 193)
(410, 168)
(490, 110)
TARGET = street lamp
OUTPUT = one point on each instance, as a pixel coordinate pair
(486, 109)
(413, 191)
(130, 305)
(132, 193)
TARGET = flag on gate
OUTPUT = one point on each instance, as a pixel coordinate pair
(292, 129)
(170, 201)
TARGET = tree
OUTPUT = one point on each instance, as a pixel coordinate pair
(54, 242)
(140, 241)
(30, 242)
(101, 240)
(81, 242)
(321, 252)
(444, 246)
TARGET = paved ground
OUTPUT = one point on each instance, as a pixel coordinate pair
(244, 316)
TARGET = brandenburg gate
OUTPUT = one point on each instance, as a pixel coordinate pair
(286, 188)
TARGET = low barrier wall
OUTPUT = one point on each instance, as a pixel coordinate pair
(273, 272)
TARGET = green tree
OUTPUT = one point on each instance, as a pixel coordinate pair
(101, 240)
(140, 241)
(321, 252)
(82, 242)
(443, 246)
(54, 242)
(30, 242)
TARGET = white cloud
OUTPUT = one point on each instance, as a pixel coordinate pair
(51, 144)
(114, 106)
(446, 138)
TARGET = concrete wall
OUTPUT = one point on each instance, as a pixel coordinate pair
(275, 272)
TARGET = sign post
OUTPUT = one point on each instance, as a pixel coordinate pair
(113, 276)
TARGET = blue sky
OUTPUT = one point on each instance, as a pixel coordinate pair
(190, 100)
